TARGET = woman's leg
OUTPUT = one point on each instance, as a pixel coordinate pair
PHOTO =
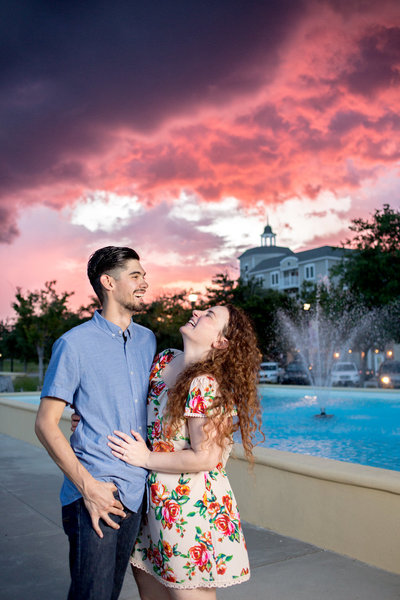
(151, 589)
(196, 594)
(148, 586)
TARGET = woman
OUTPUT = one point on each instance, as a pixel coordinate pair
(192, 541)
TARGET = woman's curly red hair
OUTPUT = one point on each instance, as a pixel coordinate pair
(235, 369)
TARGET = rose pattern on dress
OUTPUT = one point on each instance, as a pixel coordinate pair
(221, 517)
(167, 504)
(200, 400)
(163, 446)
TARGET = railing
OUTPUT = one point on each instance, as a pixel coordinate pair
(289, 282)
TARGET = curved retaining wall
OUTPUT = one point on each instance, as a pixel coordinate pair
(343, 507)
(347, 508)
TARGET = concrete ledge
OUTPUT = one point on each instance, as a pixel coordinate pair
(343, 507)
(347, 508)
(17, 419)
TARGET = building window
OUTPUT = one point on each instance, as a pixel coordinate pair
(309, 272)
(275, 278)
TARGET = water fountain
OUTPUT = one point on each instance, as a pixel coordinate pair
(320, 339)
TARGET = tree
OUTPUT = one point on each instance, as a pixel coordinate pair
(164, 316)
(42, 317)
(261, 305)
(87, 312)
(371, 273)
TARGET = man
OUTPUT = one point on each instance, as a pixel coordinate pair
(101, 368)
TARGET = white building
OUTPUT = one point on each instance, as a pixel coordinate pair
(278, 267)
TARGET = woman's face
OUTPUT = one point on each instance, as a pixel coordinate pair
(205, 327)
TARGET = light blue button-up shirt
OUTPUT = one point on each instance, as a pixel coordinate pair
(104, 373)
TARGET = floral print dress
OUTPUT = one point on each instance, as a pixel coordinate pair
(192, 536)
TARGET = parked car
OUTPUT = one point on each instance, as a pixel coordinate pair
(270, 372)
(389, 374)
(345, 373)
(296, 373)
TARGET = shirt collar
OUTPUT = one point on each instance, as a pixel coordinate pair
(111, 328)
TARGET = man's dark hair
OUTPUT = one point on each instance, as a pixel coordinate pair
(107, 260)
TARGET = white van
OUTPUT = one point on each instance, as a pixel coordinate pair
(270, 372)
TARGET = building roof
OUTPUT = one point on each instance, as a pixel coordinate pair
(305, 256)
(323, 252)
(268, 229)
(267, 250)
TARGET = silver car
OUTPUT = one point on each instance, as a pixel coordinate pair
(270, 372)
(345, 373)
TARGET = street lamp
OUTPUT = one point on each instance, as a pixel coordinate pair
(192, 299)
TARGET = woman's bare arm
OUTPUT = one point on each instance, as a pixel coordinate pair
(203, 455)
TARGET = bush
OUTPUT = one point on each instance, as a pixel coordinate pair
(24, 383)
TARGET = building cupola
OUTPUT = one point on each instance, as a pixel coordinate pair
(268, 237)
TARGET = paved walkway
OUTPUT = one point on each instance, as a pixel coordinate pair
(34, 551)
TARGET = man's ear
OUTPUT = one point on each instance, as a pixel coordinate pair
(107, 282)
(220, 343)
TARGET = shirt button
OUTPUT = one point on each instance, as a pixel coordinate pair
(119, 332)
(131, 372)
(136, 400)
(140, 429)
(113, 334)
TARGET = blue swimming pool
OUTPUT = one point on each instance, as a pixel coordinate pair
(363, 426)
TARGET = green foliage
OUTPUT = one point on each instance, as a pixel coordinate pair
(8, 343)
(165, 316)
(43, 316)
(24, 383)
(168, 313)
(87, 312)
(371, 273)
(261, 305)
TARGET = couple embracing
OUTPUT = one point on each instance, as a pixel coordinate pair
(165, 506)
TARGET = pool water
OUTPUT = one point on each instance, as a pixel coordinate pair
(362, 426)
(26, 398)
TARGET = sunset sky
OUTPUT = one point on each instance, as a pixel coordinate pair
(178, 127)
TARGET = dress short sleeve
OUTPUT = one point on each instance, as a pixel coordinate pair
(160, 361)
(201, 396)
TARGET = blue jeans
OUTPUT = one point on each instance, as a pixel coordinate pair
(98, 565)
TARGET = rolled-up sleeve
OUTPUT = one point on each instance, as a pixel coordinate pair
(62, 376)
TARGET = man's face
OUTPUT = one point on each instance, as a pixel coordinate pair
(130, 285)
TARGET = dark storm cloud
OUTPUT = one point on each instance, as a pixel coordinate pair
(376, 66)
(8, 226)
(70, 72)
(345, 121)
